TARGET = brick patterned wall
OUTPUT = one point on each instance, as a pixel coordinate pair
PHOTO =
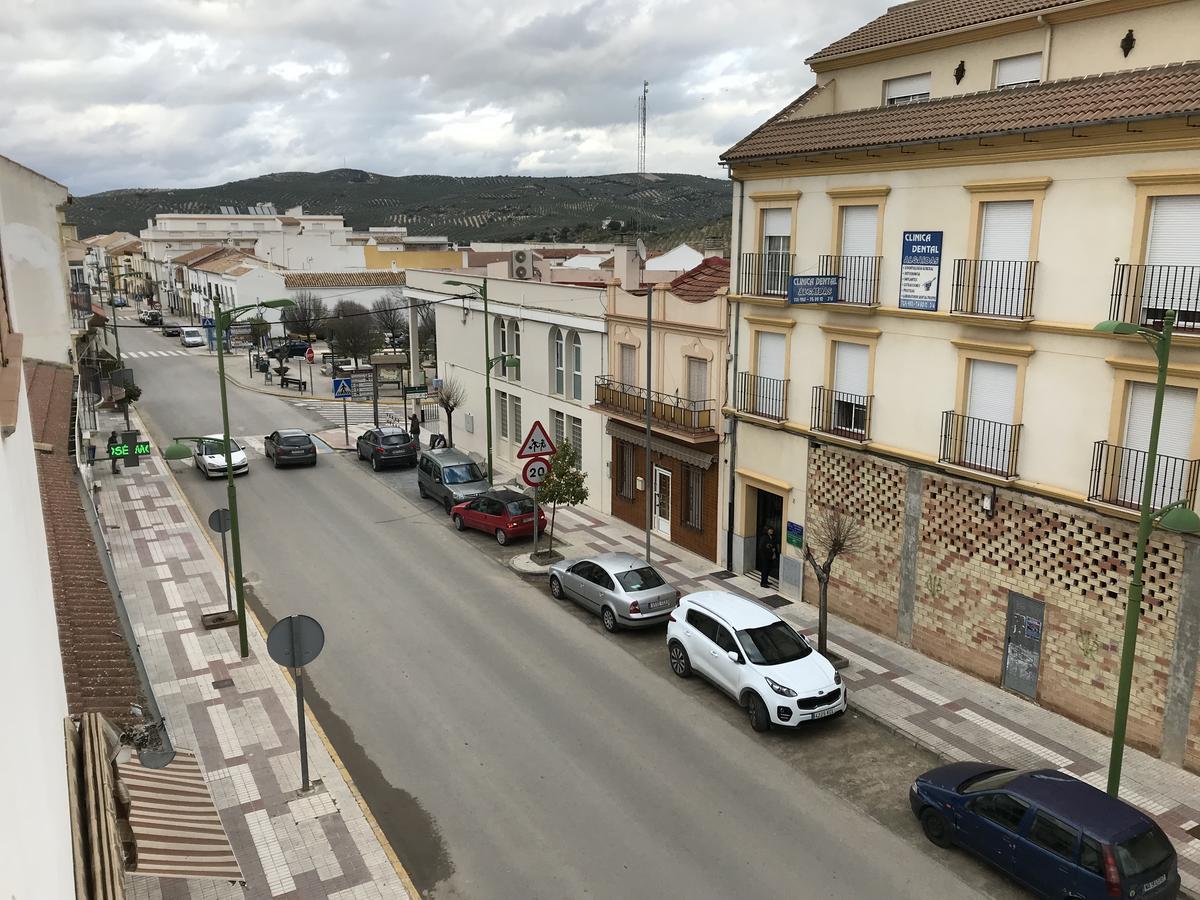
(1191, 752)
(864, 587)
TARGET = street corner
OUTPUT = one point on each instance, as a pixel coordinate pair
(336, 439)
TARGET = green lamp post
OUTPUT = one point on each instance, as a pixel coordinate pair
(221, 321)
(1175, 517)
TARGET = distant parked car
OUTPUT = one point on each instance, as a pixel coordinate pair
(151, 318)
(170, 329)
(209, 456)
(290, 447)
(449, 476)
(190, 336)
(294, 348)
(755, 657)
(118, 300)
(387, 447)
(1057, 835)
(622, 588)
(503, 513)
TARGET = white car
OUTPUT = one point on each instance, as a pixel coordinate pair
(192, 337)
(210, 456)
(754, 656)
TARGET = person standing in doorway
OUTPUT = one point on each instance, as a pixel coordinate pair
(113, 440)
(414, 428)
(768, 554)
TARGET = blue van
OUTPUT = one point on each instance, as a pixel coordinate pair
(1059, 836)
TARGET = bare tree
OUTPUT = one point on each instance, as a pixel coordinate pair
(306, 317)
(352, 332)
(388, 313)
(451, 396)
(832, 533)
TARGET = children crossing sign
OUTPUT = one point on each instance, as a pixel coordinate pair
(536, 443)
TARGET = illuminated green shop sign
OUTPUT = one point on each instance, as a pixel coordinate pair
(138, 448)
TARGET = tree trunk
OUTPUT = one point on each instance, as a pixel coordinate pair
(823, 614)
(553, 513)
(450, 431)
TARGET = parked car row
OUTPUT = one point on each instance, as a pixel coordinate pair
(150, 317)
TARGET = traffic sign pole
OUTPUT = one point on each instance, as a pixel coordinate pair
(295, 641)
(301, 726)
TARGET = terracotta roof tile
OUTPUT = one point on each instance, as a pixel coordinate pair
(370, 278)
(97, 666)
(1172, 90)
(198, 255)
(909, 21)
(703, 282)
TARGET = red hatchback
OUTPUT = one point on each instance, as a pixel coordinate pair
(506, 514)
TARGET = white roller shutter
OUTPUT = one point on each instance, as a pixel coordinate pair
(777, 223)
(1019, 70)
(1007, 226)
(1178, 417)
(771, 348)
(850, 368)
(907, 89)
(1174, 232)
(860, 225)
(992, 391)
(697, 379)
(628, 364)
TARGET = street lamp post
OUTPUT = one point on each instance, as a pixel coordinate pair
(480, 291)
(1173, 517)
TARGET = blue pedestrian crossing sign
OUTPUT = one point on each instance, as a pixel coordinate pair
(341, 388)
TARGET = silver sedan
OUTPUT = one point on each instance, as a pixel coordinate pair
(623, 589)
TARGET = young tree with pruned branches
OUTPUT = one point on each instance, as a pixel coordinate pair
(451, 396)
(352, 332)
(833, 534)
(390, 315)
(306, 317)
(565, 482)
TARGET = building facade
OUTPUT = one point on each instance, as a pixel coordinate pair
(980, 196)
(683, 390)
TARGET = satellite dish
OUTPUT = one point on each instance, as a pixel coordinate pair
(641, 250)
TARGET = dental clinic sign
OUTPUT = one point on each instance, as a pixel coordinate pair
(920, 269)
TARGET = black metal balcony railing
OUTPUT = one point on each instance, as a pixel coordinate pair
(1002, 288)
(1117, 474)
(762, 396)
(842, 414)
(1143, 294)
(677, 412)
(765, 274)
(980, 444)
(858, 277)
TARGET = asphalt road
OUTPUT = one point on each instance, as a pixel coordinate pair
(508, 747)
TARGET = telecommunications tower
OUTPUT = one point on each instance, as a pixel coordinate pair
(642, 128)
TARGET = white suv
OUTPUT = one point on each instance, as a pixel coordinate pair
(755, 657)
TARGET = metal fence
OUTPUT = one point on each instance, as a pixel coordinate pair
(858, 277)
(994, 287)
(762, 396)
(1143, 294)
(842, 414)
(677, 412)
(765, 274)
(980, 444)
(1118, 473)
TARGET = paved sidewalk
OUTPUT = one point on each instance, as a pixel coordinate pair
(238, 715)
(938, 707)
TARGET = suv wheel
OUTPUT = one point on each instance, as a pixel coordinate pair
(680, 664)
(421, 490)
(936, 828)
(360, 456)
(501, 537)
(760, 719)
(374, 463)
(459, 524)
(609, 619)
(556, 588)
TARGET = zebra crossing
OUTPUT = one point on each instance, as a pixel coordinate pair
(390, 414)
(146, 354)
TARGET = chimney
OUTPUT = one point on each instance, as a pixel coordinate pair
(627, 267)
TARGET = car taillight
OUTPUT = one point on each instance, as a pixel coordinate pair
(1112, 877)
(670, 617)
(677, 594)
(378, 449)
(634, 607)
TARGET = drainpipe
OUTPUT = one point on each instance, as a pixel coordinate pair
(731, 379)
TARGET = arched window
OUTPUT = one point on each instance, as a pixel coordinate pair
(576, 367)
(557, 357)
(513, 347)
(499, 346)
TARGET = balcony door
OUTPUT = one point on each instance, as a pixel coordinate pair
(769, 369)
(1174, 444)
(662, 502)
(1171, 279)
(1006, 227)
(860, 226)
(776, 249)
(991, 406)
(849, 411)
(628, 364)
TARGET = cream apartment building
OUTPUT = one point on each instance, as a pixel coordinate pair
(981, 184)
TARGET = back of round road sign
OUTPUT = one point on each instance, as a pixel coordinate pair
(308, 641)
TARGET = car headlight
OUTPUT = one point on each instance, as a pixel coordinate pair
(780, 689)
(837, 677)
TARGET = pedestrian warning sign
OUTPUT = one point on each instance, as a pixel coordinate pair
(342, 388)
(536, 443)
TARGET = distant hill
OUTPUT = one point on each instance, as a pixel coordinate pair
(665, 208)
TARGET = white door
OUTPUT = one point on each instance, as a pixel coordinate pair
(662, 502)
(1174, 242)
(860, 225)
(1006, 227)
(770, 365)
(1174, 444)
(991, 403)
(850, 386)
(777, 248)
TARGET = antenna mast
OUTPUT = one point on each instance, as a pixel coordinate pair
(642, 128)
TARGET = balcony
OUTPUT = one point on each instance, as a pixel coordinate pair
(1117, 474)
(765, 274)
(858, 278)
(695, 417)
(762, 396)
(994, 288)
(979, 444)
(840, 414)
(1143, 294)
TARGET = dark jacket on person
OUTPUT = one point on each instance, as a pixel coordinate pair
(768, 549)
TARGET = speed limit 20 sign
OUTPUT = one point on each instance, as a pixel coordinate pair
(535, 471)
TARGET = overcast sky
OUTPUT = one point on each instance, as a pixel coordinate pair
(187, 93)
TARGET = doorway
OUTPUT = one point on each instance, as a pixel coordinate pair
(662, 502)
(1023, 644)
(769, 514)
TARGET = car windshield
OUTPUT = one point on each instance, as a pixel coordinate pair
(394, 440)
(774, 644)
(990, 780)
(462, 474)
(294, 440)
(1148, 850)
(520, 507)
(217, 448)
(642, 579)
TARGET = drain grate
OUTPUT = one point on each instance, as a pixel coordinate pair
(222, 683)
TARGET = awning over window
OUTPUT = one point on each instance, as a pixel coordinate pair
(689, 455)
(175, 823)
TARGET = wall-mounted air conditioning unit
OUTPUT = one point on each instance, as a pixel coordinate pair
(522, 264)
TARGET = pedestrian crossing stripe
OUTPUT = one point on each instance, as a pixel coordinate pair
(147, 354)
(356, 413)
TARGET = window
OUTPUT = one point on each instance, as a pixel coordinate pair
(697, 379)
(1005, 235)
(624, 473)
(1091, 857)
(1003, 809)
(1174, 443)
(628, 364)
(559, 428)
(770, 387)
(909, 89)
(576, 367)
(850, 368)
(499, 346)
(774, 644)
(991, 405)
(514, 406)
(1048, 832)
(502, 413)
(726, 642)
(693, 499)
(776, 248)
(576, 427)
(514, 348)
(1014, 71)
(1146, 851)
(860, 226)
(643, 579)
(557, 356)
(703, 624)
(1173, 247)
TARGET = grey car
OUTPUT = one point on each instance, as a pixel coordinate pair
(626, 591)
(449, 476)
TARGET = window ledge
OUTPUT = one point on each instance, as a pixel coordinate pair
(978, 474)
(10, 384)
(986, 321)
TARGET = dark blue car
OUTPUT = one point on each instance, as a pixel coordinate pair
(1057, 835)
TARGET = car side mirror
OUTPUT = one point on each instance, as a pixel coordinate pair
(437, 478)
(734, 656)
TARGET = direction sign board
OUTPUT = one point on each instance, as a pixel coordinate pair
(342, 388)
(536, 443)
(535, 471)
(309, 356)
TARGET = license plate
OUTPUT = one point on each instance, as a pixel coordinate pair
(659, 604)
(822, 713)
(1157, 882)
